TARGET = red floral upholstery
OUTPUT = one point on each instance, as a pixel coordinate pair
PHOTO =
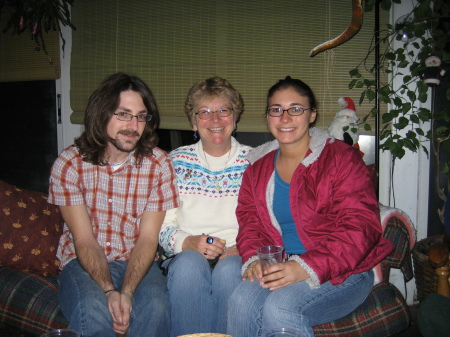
(30, 229)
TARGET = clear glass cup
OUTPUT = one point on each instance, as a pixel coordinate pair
(269, 255)
(283, 332)
(62, 333)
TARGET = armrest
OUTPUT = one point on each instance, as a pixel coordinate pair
(439, 258)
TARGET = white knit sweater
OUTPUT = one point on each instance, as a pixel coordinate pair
(208, 188)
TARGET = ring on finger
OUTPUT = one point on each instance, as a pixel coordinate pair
(209, 240)
(206, 252)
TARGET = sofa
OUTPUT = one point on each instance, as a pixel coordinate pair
(29, 234)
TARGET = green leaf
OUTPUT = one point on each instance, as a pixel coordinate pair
(386, 117)
(401, 123)
(403, 64)
(367, 127)
(390, 56)
(386, 4)
(406, 107)
(412, 95)
(414, 119)
(354, 72)
(424, 114)
(397, 101)
(370, 94)
(352, 84)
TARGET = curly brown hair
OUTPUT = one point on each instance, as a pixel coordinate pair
(93, 142)
(208, 89)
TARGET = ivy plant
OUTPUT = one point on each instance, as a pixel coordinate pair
(424, 31)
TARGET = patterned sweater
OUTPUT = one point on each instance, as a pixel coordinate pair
(208, 188)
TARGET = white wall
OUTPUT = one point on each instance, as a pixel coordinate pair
(66, 130)
(406, 189)
(407, 186)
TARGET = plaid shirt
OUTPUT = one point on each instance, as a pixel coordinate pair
(115, 200)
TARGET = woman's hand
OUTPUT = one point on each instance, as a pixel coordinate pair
(282, 274)
(253, 271)
(209, 250)
(229, 251)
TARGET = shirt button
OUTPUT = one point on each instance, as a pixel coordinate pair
(110, 200)
(108, 243)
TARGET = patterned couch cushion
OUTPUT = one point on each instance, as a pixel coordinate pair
(29, 302)
(30, 229)
(383, 313)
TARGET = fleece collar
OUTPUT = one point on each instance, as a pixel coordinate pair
(319, 139)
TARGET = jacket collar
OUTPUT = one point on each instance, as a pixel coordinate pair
(319, 139)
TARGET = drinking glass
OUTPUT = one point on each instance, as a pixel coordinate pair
(283, 332)
(269, 255)
(62, 333)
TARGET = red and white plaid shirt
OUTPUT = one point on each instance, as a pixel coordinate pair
(115, 200)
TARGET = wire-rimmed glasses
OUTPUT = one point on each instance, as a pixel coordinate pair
(294, 111)
(126, 117)
(208, 113)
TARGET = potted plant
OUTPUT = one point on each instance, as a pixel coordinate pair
(417, 65)
(36, 17)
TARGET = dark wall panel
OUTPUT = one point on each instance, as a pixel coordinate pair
(28, 141)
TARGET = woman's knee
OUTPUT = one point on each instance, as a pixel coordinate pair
(228, 270)
(187, 267)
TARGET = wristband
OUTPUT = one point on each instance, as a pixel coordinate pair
(107, 291)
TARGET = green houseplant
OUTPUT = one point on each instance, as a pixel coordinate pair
(424, 31)
(36, 17)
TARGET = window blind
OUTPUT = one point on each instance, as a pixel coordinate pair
(252, 43)
(19, 61)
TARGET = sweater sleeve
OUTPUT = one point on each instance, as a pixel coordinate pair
(171, 237)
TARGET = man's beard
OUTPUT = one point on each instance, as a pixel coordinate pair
(125, 146)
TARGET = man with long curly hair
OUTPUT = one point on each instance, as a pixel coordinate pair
(113, 187)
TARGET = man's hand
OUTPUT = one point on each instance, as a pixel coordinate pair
(119, 306)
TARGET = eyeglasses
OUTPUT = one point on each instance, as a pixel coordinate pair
(126, 117)
(208, 114)
(294, 111)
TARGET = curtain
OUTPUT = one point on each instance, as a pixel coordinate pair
(252, 43)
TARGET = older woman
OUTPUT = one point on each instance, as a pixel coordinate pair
(200, 236)
(314, 196)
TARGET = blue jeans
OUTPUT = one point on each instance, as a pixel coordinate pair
(253, 310)
(199, 294)
(84, 303)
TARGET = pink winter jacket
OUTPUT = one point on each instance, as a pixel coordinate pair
(333, 204)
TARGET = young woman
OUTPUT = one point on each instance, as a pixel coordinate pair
(312, 195)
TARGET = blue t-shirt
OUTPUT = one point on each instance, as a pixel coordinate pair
(283, 214)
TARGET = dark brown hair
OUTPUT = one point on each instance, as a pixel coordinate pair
(93, 142)
(299, 86)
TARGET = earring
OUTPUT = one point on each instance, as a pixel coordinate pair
(234, 132)
(195, 135)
